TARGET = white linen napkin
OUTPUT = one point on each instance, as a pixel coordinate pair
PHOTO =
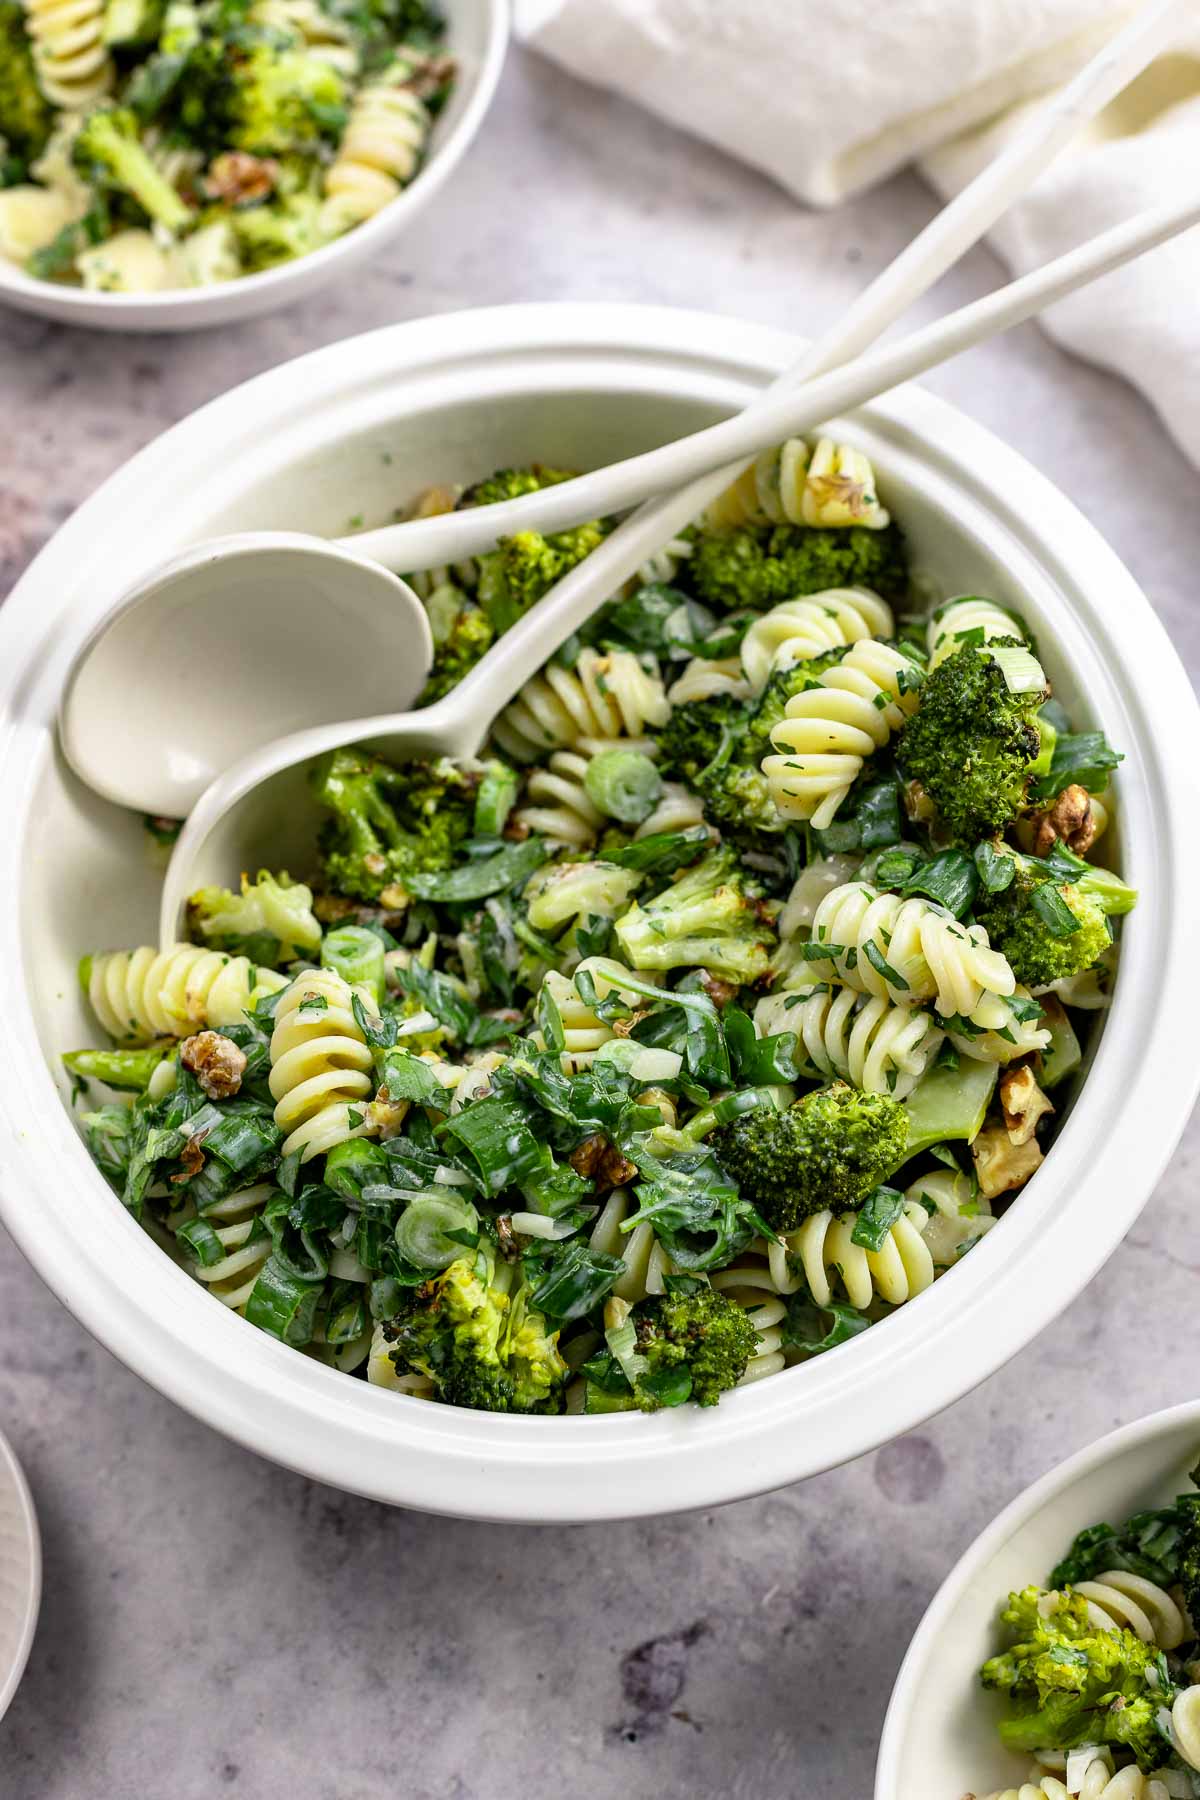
(828, 99)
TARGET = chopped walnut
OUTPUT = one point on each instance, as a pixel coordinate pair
(1001, 1165)
(394, 897)
(585, 1158)
(517, 830)
(1023, 1102)
(601, 1163)
(719, 992)
(615, 1170)
(331, 909)
(239, 178)
(917, 804)
(385, 1116)
(430, 75)
(192, 1158)
(506, 1238)
(1069, 821)
(216, 1062)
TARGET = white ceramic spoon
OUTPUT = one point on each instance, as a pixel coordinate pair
(159, 758)
(242, 809)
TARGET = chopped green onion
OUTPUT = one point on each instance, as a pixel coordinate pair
(1022, 672)
(495, 800)
(624, 784)
(422, 1230)
(357, 956)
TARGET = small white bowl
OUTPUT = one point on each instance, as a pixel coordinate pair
(356, 429)
(939, 1738)
(477, 38)
(20, 1573)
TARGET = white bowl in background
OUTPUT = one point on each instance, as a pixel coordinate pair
(939, 1738)
(353, 430)
(20, 1573)
(477, 38)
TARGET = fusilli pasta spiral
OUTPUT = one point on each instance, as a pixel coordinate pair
(663, 565)
(142, 994)
(603, 697)
(645, 1260)
(881, 1048)
(678, 809)
(380, 149)
(1185, 1725)
(908, 950)
(703, 679)
(833, 484)
(829, 730)
(823, 1246)
(557, 804)
(1118, 1598)
(1015, 1037)
(320, 1065)
(796, 630)
(584, 1031)
(245, 1241)
(73, 67)
(948, 626)
(1099, 1783)
(327, 37)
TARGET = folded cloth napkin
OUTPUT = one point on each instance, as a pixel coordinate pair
(830, 99)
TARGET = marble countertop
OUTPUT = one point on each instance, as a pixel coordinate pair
(214, 1625)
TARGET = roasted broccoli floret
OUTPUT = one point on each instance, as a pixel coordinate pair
(1188, 1508)
(829, 1152)
(1047, 930)
(759, 565)
(971, 744)
(25, 115)
(701, 732)
(511, 484)
(284, 100)
(1076, 1684)
(522, 568)
(277, 231)
(709, 918)
(470, 636)
(108, 154)
(271, 920)
(389, 822)
(480, 1346)
(696, 1345)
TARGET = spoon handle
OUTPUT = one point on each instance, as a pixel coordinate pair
(523, 650)
(450, 537)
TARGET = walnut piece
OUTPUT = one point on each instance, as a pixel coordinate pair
(1069, 821)
(1023, 1102)
(917, 804)
(239, 178)
(719, 992)
(601, 1163)
(216, 1062)
(385, 1116)
(1001, 1165)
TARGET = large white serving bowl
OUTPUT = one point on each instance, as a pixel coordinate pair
(477, 37)
(353, 430)
(939, 1738)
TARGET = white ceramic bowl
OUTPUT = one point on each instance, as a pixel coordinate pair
(20, 1573)
(939, 1738)
(354, 429)
(477, 37)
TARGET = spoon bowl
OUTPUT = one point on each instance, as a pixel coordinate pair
(229, 646)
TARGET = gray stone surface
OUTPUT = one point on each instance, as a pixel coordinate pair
(213, 1625)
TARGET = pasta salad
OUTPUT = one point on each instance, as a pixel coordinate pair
(711, 1014)
(155, 144)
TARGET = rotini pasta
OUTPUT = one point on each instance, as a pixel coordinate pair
(320, 1065)
(585, 708)
(327, 36)
(584, 1031)
(139, 995)
(1118, 1598)
(645, 1260)
(557, 805)
(129, 262)
(381, 147)
(74, 69)
(829, 730)
(908, 950)
(32, 217)
(665, 563)
(823, 1247)
(1098, 1783)
(961, 620)
(1016, 1036)
(703, 679)
(831, 485)
(678, 809)
(797, 630)
(246, 1243)
(879, 1047)
(1185, 1725)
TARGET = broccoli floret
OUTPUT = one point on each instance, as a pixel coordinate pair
(709, 918)
(701, 732)
(285, 100)
(25, 115)
(759, 565)
(1076, 1684)
(278, 231)
(1029, 921)
(271, 920)
(229, 84)
(470, 637)
(1188, 1508)
(480, 1346)
(696, 1345)
(971, 744)
(511, 484)
(522, 568)
(829, 1152)
(108, 153)
(388, 821)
